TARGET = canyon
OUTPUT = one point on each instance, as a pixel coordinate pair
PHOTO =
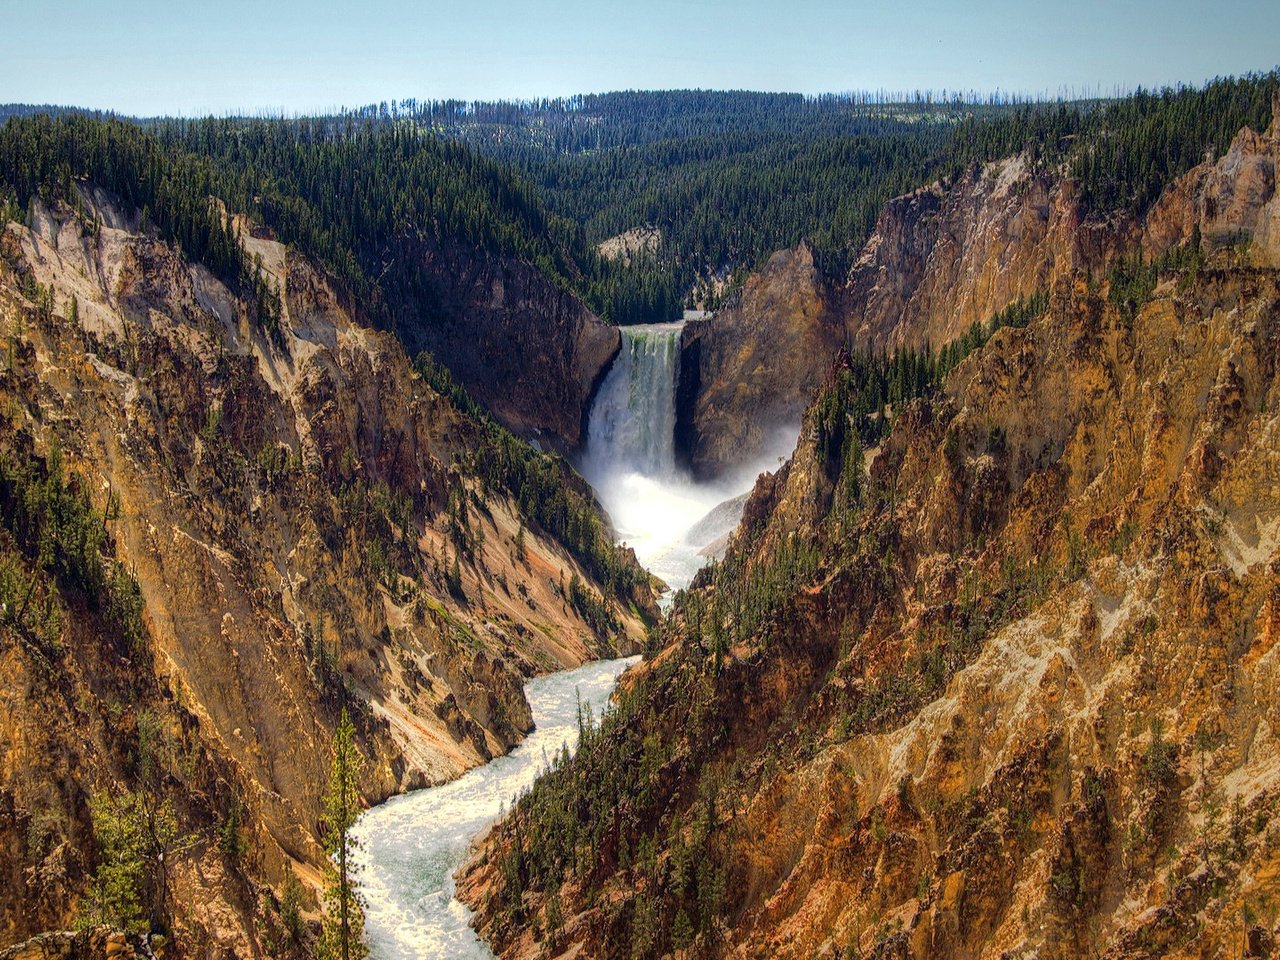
(308, 528)
(943, 565)
(1005, 687)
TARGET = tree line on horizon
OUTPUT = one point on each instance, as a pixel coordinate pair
(727, 179)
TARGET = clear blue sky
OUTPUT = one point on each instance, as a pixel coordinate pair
(174, 56)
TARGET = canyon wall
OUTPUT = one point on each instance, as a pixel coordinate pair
(749, 371)
(1010, 689)
(939, 260)
(531, 352)
(312, 528)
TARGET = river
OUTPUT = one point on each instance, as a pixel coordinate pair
(411, 845)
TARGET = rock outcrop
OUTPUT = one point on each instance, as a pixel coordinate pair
(309, 527)
(747, 374)
(1228, 201)
(941, 259)
(531, 352)
(950, 255)
(626, 246)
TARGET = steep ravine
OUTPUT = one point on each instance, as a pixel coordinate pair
(411, 845)
(309, 524)
(1009, 692)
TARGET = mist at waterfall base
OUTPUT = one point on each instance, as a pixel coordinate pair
(656, 508)
(411, 845)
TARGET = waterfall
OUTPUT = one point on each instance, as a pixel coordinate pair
(631, 428)
(630, 455)
(671, 521)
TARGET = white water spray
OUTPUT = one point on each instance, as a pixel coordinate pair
(412, 844)
(630, 460)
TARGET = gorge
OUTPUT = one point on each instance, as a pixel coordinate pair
(930, 567)
(410, 845)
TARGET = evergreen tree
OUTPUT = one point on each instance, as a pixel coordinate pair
(342, 937)
(115, 895)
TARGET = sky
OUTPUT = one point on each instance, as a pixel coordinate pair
(147, 57)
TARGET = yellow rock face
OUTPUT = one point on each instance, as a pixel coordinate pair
(292, 509)
(1027, 703)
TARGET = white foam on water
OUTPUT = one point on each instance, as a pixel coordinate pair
(411, 845)
(630, 457)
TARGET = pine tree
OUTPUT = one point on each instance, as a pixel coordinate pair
(115, 897)
(342, 937)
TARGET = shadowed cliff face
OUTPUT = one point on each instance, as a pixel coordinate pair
(939, 260)
(1017, 695)
(755, 364)
(532, 353)
(305, 520)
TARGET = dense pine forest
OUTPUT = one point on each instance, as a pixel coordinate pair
(726, 178)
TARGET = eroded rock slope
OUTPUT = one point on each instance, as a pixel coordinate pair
(310, 524)
(939, 260)
(1012, 691)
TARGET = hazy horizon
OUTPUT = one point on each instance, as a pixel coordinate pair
(147, 58)
(872, 96)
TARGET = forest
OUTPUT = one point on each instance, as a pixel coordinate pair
(726, 178)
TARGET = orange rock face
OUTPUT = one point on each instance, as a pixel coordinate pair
(1018, 696)
(293, 509)
(939, 260)
(749, 372)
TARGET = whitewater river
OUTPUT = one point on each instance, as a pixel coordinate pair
(411, 845)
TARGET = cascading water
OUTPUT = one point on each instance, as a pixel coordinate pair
(412, 844)
(633, 420)
(630, 458)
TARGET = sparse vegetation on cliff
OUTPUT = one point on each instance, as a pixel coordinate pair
(550, 497)
(979, 657)
(343, 934)
(59, 534)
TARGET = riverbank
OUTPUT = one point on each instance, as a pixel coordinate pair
(411, 845)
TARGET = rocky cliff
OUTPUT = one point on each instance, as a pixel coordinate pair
(1230, 201)
(1010, 692)
(530, 351)
(950, 255)
(309, 523)
(941, 259)
(747, 374)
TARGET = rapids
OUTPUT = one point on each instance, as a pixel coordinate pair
(411, 845)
